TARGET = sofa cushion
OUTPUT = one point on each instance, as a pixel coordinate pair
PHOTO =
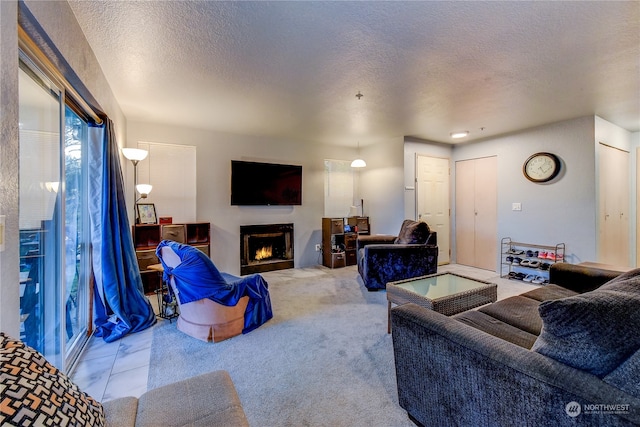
(34, 392)
(121, 412)
(413, 232)
(206, 400)
(520, 312)
(595, 331)
(497, 328)
(549, 292)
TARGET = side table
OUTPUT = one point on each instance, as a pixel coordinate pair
(167, 304)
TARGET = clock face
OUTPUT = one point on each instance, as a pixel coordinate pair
(541, 167)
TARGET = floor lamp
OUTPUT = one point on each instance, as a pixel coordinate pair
(135, 155)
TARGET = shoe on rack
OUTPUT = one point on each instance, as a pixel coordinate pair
(520, 276)
(508, 260)
(512, 275)
(529, 253)
(542, 255)
(525, 263)
(538, 280)
(544, 266)
(534, 264)
(528, 278)
(517, 261)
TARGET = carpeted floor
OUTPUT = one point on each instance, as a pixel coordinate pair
(325, 359)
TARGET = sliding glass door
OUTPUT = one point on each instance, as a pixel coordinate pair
(54, 261)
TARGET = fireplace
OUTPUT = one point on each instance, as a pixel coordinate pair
(265, 248)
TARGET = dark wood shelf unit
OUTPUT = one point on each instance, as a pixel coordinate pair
(339, 242)
(147, 237)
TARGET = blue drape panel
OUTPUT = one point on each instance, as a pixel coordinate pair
(120, 305)
(197, 277)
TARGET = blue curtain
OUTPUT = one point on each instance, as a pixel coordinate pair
(120, 305)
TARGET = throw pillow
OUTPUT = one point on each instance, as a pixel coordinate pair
(413, 232)
(595, 331)
(34, 392)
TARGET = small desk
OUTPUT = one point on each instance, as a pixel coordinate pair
(446, 293)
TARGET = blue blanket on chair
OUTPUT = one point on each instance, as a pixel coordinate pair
(197, 277)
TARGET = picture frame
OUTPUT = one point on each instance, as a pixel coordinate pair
(146, 213)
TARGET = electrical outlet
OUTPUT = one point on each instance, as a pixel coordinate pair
(318, 247)
(516, 206)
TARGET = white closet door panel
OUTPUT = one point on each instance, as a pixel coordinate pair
(171, 169)
(486, 208)
(465, 212)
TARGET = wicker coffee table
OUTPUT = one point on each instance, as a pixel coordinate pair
(446, 293)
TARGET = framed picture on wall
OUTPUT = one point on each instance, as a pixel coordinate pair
(146, 213)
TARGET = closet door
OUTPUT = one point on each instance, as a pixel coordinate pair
(476, 212)
(486, 201)
(613, 217)
(465, 212)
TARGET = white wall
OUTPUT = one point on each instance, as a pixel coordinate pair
(214, 154)
(563, 210)
(10, 258)
(382, 185)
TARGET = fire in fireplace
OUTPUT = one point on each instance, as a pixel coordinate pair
(265, 248)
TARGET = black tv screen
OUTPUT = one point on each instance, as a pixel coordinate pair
(265, 184)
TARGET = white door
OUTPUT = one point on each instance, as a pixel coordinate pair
(432, 200)
(476, 213)
(613, 217)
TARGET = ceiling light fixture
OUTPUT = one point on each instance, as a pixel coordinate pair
(358, 163)
(457, 135)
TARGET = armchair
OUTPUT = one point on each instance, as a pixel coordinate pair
(385, 258)
(213, 306)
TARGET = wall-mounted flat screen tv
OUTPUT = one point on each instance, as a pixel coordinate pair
(265, 184)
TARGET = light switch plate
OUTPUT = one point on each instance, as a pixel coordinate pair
(517, 206)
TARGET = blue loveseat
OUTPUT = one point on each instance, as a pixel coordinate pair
(385, 258)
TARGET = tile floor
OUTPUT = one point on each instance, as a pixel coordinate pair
(107, 371)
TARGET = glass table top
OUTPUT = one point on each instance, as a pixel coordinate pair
(441, 285)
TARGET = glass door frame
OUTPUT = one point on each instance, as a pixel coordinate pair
(53, 310)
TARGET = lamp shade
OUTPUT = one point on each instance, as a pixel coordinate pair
(135, 154)
(144, 189)
(358, 163)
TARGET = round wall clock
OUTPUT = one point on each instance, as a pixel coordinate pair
(541, 167)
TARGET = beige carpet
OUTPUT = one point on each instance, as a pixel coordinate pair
(324, 359)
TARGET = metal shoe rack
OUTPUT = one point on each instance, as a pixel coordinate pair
(533, 254)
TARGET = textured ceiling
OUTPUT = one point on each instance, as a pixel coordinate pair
(292, 69)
